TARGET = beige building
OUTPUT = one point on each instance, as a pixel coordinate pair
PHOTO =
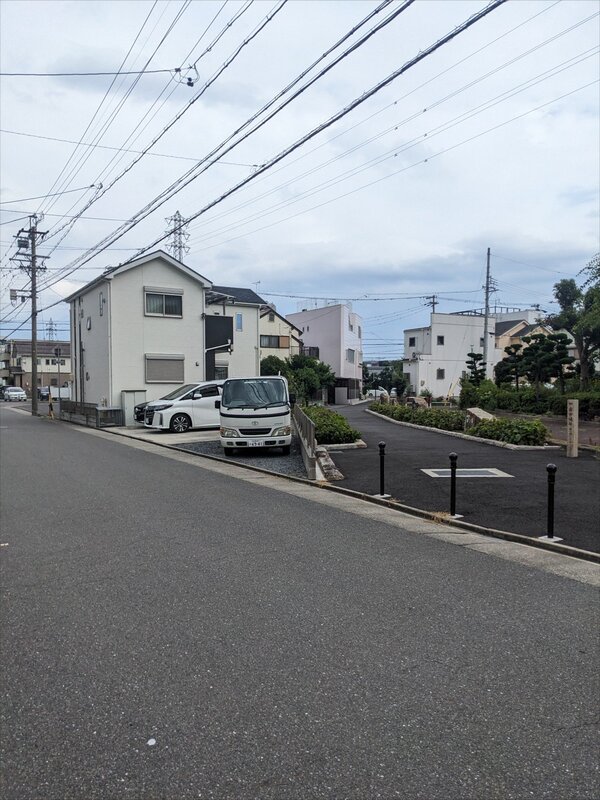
(278, 336)
(53, 363)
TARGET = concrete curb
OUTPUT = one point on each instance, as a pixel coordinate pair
(458, 435)
(351, 446)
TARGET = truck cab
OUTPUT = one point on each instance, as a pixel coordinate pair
(256, 412)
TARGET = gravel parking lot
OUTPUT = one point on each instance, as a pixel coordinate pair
(264, 458)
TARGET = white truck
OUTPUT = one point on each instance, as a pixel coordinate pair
(256, 412)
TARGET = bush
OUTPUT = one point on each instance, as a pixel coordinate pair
(440, 418)
(331, 428)
(513, 431)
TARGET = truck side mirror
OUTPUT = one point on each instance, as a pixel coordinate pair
(292, 399)
(217, 404)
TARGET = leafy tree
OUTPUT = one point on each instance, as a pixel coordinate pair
(476, 368)
(307, 375)
(545, 358)
(392, 377)
(272, 365)
(562, 367)
(580, 315)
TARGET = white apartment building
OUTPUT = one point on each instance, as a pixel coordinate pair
(337, 333)
(435, 356)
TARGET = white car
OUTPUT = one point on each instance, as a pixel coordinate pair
(190, 406)
(14, 393)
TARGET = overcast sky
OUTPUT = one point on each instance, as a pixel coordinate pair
(491, 141)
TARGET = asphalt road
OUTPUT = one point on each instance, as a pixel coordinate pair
(517, 504)
(171, 632)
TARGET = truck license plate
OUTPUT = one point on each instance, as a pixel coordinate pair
(254, 444)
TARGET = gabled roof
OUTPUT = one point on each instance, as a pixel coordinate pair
(270, 310)
(529, 329)
(234, 294)
(507, 325)
(108, 274)
(45, 347)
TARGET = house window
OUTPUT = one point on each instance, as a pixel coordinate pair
(47, 362)
(53, 382)
(38, 361)
(359, 332)
(412, 341)
(440, 341)
(164, 368)
(269, 341)
(271, 317)
(440, 374)
(350, 325)
(101, 303)
(62, 362)
(481, 342)
(163, 305)
(239, 322)
(350, 356)
(221, 373)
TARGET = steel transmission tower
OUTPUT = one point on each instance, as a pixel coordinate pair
(177, 244)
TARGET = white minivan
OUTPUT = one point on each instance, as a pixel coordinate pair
(191, 406)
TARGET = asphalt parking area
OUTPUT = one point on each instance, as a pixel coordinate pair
(517, 504)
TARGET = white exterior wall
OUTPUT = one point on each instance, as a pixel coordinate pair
(90, 345)
(462, 335)
(328, 329)
(133, 334)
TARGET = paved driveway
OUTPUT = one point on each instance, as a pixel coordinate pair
(515, 504)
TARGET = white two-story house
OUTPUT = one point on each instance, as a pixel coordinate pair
(337, 333)
(141, 329)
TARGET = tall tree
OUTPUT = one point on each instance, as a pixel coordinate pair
(579, 315)
(476, 368)
(511, 365)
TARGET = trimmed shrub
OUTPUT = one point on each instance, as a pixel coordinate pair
(331, 428)
(513, 431)
(440, 418)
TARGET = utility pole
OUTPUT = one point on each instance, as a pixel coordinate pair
(432, 301)
(177, 246)
(28, 262)
(487, 312)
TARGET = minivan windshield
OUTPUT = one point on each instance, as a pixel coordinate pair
(254, 393)
(179, 392)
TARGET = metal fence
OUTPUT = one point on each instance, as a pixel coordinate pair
(308, 441)
(90, 414)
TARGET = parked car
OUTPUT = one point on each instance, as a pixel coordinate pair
(139, 412)
(14, 393)
(44, 393)
(190, 406)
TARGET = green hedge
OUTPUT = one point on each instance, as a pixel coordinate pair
(491, 398)
(440, 418)
(331, 428)
(513, 431)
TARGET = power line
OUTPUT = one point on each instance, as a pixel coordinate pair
(173, 188)
(84, 74)
(42, 196)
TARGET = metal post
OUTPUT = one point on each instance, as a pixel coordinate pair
(453, 460)
(381, 468)
(551, 469)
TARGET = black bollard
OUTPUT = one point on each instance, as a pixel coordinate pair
(551, 469)
(453, 460)
(381, 468)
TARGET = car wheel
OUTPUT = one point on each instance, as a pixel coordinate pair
(286, 449)
(229, 451)
(180, 423)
